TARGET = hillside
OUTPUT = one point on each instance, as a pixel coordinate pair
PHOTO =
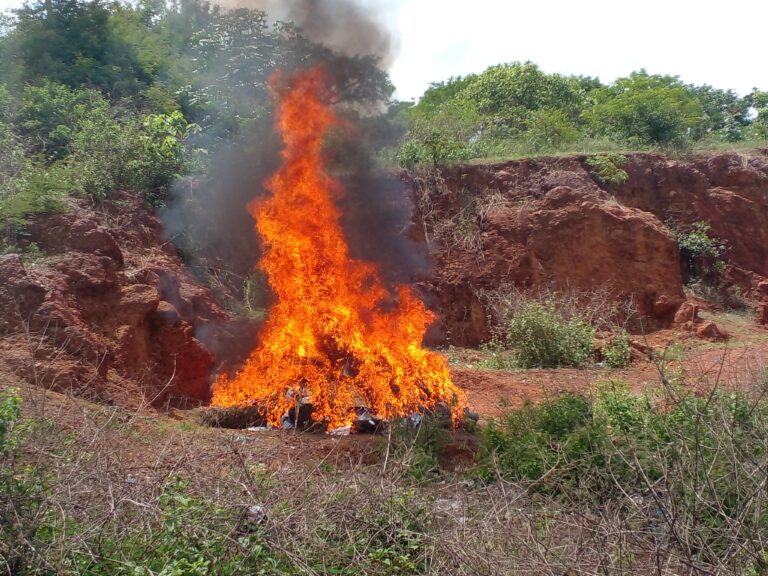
(259, 318)
(113, 342)
(106, 309)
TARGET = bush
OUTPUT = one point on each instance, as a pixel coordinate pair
(532, 442)
(146, 156)
(543, 337)
(608, 168)
(549, 129)
(50, 115)
(617, 353)
(647, 110)
(22, 488)
(695, 463)
(191, 536)
(700, 253)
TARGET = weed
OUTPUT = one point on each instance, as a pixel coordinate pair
(694, 460)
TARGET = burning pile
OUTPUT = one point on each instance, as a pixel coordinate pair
(336, 336)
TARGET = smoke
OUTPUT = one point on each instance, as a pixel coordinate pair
(349, 27)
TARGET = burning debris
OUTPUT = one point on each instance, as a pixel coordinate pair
(336, 335)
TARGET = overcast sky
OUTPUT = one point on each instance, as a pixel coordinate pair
(718, 43)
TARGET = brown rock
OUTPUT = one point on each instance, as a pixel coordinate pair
(709, 330)
(688, 312)
(762, 288)
(665, 306)
(89, 274)
(136, 302)
(57, 233)
(762, 314)
(570, 240)
(181, 363)
(20, 294)
(166, 313)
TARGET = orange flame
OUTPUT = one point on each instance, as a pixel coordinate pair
(332, 336)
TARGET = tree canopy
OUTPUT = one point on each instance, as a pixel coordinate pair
(517, 108)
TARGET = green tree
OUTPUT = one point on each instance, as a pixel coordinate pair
(759, 101)
(646, 110)
(49, 115)
(73, 43)
(508, 93)
(727, 114)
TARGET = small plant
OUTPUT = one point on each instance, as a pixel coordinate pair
(700, 253)
(556, 439)
(619, 409)
(418, 445)
(617, 353)
(697, 462)
(497, 356)
(543, 337)
(608, 168)
(22, 488)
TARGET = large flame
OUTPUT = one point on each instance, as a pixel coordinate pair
(334, 336)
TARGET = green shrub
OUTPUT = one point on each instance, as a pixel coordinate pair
(22, 489)
(543, 337)
(557, 439)
(616, 352)
(50, 115)
(435, 149)
(191, 536)
(36, 188)
(700, 253)
(698, 462)
(619, 409)
(162, 155)
(608, 168)
(549, 129)
(110, 153)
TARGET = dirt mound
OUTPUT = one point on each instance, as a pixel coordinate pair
(107, 310)
(554, 224)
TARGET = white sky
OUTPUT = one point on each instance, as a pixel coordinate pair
(714, 42)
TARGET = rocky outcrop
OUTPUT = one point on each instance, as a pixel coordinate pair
(107, 310)
(728, 191)
(552, 224)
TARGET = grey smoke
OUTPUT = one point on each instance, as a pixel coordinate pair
(349, 27)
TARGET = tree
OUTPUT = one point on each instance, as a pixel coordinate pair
(759, 101)
(49, 115)
(648, 110)
(726, 112)
(509, 92)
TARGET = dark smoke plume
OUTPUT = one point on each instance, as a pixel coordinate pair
(349, 27)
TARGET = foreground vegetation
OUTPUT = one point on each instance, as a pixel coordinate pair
(613, 483)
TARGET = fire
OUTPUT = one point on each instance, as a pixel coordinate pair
(334, 335)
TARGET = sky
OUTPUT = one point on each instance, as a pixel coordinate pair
(704, 42)
(718, 43)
